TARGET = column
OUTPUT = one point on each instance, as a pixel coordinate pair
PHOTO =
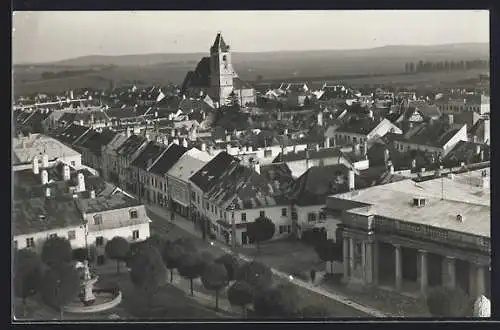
(423, 271)
(481, 288)
(375, 264)
(352, 249)
(363, 261)
(368, 262)
(345, 257)
(472, 281)
(450, 279)
(399, 267)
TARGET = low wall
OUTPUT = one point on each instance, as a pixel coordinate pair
(117, 298)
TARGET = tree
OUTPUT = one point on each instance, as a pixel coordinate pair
(190, 267)
(240, 294)
(328, 250)
(156, 241)
(61, 286)
(27, 272)
(279, 301)
(148, 271)
(187, 244)
(56, 251)
(231, 264)
(256, 274)
(314, 312)
(207, 258)
(172, 254)
(117, 249)
(214, 277)
(82, 254)
(447, 302)
(262, 229)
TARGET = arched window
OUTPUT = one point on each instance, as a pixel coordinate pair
(97, 219)
(133, 214)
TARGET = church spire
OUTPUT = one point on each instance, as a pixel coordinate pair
(219, 44)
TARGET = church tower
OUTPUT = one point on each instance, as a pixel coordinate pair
(221, 71)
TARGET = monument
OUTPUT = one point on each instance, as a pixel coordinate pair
(87, 284)
(482, 307)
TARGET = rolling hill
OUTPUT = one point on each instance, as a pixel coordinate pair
(164, 68)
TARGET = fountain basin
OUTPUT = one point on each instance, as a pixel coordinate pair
(105, 299)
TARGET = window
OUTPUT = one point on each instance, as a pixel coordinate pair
(193, 195)
(52, 235)
(30, 242)
(283, 229)
(198, 199)
(215, 210)
(15, 244)
(322, 216)
(97, 219)
(71, 235)
(135, 234)
(212, 208)
(99, 241)
(73, 163)
(262, 214)
(243, 217)
(133, 214)
(311, 217)
(268, 153)
(208, 206)
(283, 212)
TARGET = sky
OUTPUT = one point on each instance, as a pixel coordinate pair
(52, 36)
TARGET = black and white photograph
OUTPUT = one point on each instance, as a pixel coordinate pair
(244, 166)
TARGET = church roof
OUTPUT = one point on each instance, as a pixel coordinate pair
(219, 44)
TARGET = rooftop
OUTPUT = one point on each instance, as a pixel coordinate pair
(72, 133)
(435, 133)
(359, 126)
(131, 145)
(106, 203)
(42, 214)
(462, 196)
(148, 155)
(37, 145)
(208, 175)
(187, 166)
(168, 159)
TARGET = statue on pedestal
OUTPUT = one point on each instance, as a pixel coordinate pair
(86, 284)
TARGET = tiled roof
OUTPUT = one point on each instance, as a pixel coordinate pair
(359, 126)
(200, 77)
(238, 83)
(168, 159)
(208, 175)
(186, 166)
(312, 187)
(67, 117)
(243, 187)
(279, 175)
(37, 117)
(41, 214)
(466, 152)
(36, 145)
(432, 134)
(99, 140)
(148, 155)
(105, 203)
(72, 133)
(130, 146)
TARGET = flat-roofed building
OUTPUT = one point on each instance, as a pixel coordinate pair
(408, 236)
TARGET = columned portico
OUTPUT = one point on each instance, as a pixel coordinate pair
(399, 267)
(450, 279)
(423, 271)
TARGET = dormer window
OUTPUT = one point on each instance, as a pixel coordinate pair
(97, 219)
(224, 58)
(133, 214)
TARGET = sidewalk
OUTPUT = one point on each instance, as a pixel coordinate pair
(188, 226)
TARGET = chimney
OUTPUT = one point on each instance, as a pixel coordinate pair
(481, 156)
(66, 172)
(450, 120)
(92, 194)
(148, 137)
(478, 149)
(320, 119)
(45, 161)
(228, 138)
(228, 148)
(357, 148)
(211, 150)
(172, 133)
(250, 149)
(365, 149)
(413, 163)
(327, 142)
(285, 132)
(204, 147)
(81, 122)
(47, 192)
(486, 131)
(36, 168)
(129, 132)
(176, 141)
(256, 167)
(45, 177)
(370, 114)
(81, 183)
(351, 180)
(184, 143)
(391, 169)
